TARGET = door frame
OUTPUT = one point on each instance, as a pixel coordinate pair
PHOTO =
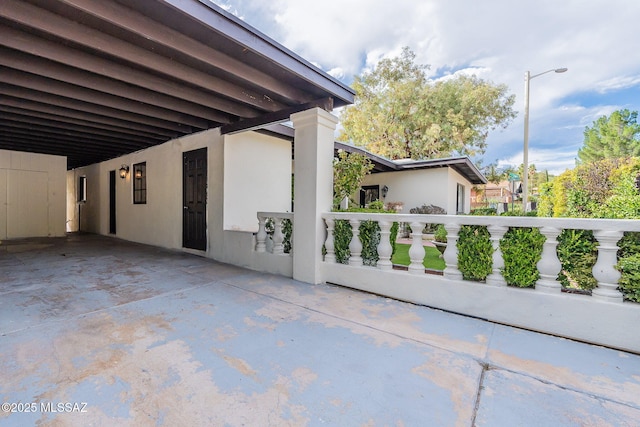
(112, 201)
(197, 223)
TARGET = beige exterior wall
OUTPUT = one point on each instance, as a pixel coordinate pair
(422, 187)
(257, 178)
(32, 195)
(235, 164)
(454, 179)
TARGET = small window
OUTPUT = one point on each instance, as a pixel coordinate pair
(82, 189)
(140, 183)
(460, 199)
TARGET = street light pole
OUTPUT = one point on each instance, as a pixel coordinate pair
(525, 163)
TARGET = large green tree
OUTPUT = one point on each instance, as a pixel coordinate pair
(399, 113)
(615, 136)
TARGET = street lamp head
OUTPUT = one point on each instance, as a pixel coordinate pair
(561, 70)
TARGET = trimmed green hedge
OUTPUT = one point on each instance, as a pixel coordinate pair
(630, 280)
(521, 250)
(577, 253)
(475, 257)
(369, 237)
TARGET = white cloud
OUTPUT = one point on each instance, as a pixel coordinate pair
(553, 160)
(496, 39)
(618, 83)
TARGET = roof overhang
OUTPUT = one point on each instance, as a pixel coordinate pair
(96, 79)
(463, 165)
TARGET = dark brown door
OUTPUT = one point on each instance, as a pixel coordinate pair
(112, 202)
(194, 195)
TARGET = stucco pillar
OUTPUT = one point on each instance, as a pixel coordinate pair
(313, 189)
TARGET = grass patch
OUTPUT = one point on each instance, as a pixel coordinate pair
(432, 258)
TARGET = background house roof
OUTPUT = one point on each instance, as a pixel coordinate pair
(463, 165)
(96, 79)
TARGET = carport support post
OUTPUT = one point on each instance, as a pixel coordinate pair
(313, 189)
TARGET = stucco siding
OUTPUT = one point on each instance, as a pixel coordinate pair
(246, 173)
(257, 177)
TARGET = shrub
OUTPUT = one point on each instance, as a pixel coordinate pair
(287, 231)
(428, 210)
(440, 234)
(630, 280)
(521, 250)
(629, 244)
(484, 211)
(577, 253)
(474, 252)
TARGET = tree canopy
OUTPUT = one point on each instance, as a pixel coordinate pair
(615, 136)
(399, 113)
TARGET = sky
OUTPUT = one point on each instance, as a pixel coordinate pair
(497, 40)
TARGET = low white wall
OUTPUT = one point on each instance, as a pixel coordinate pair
(573, 316)
(417, 187)
(32, 195)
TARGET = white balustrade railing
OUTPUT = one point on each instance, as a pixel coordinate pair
(607, 232)
(271, 236)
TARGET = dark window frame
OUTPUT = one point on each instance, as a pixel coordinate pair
(139, 176)
(460, 196)
(369, 189)
(82, 189)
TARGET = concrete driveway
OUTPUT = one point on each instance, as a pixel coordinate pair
(96, 331)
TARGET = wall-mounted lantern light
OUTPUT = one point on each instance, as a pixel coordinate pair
(385, 190)
(124, 169)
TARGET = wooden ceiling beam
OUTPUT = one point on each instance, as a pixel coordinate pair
(33, 109)
(65, 102)
(55, 71)
(66, 126)
(55, 87)
(23, 128)
(75, 33)
(136, 23)
(37, 46)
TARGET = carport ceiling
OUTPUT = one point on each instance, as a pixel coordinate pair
(96, 79)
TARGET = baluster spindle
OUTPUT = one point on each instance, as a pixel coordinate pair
(278, 237)
(549, 265)
(451, 253)
(330, 256)
(384, 247)
(495, 278)
(355, 246)
(416, 251)
(261, 237)
(604, 270)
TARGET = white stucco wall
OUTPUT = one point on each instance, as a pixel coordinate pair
(257, 178)
(454, 179)
(257, 168)
(32, 195)
(414, 187)
(159, 221)
(422, 187)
